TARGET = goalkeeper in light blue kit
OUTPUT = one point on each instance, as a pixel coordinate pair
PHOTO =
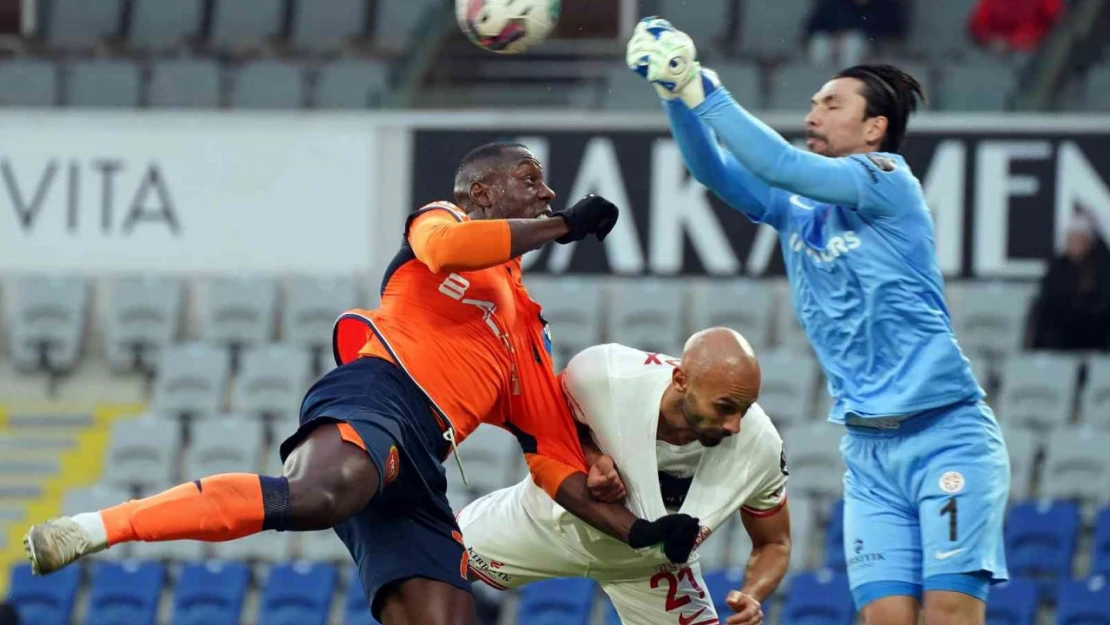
(928, 473)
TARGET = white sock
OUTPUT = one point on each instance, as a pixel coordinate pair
(94, 528)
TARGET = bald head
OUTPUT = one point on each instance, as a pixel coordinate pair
(721, 357)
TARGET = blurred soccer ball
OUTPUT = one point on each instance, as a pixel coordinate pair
(507, 26)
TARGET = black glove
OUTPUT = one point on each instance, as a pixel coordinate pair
(592, 214)
(677, 532)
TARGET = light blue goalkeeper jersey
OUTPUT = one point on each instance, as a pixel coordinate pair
(857, 240)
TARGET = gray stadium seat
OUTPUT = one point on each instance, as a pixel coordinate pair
(192, 379)
(141, 452)
(157, 25)
(487, 456)
(743, 82)
(625, 91)
(704, 20)
(48, 322)
(28, 82)
(82, 24)
(789, 381)
(984, 373)
(647, 314)
(813, 455)
(245, 24)
(990, 317)
(747, 306)
(326, 25)
(1077, 466)
(264, 547)
(396, 21)
(142, 316)
(224, 445)
(240, 311)
(324, 546)
(793, 85)
(804, 529)
(96, 498)
(1038, 389)
(268, 84)
(789, 333)
(311, 307)
(740, 545)
(185, 83)
(350, 84)
(272, 380)
(1094, 403)
(572, 307)
(940, 28)
(987, 87)
(103, 83)
(1023, 445)
(1096, 89)
(772, 29)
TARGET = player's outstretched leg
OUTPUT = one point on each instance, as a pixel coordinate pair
(325, 481)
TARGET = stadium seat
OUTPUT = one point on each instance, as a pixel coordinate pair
(648, 314)
(990, 317)
(272, 380)
(45, 600)
(141, 452)
(980, 87)
(1077, 466)
(1094, 403)
(224, 445)
(192, 379)
(718, 583)
(311, 307)
(743, 80)
(793, 84)
(834, 538)
(573, 308)
(813, 455)
(324, 546)
(625, 91)
(298, 594)
(819, 598)
(326, 25)
(1038, 389)
(486, 457)
(75, 24)
(185, 83)
(356, 608)
(48, 323)
(240, 311)
(1040, 540)
(265, 547)
(239, 25)
(350, 84)
(1013, 603)
(788, 384)
(773, 29)
(94, 498)
(567, 601)
(142, 317)
(1023, 446)
(1100, 545)
(28, 82)
(940, 29)
(268, 84)
(210, 593)
(396, 21)
(103, 83)
(160, 26)
(747, 306)
(1096, 89)
(1083, 602)
(125, 593)
(804, 530)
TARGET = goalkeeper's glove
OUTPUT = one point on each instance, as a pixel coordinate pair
(677, 532)
(667, 58)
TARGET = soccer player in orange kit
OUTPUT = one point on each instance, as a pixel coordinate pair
(456, 342)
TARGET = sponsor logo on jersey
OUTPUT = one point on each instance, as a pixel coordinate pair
(392, 465)
(952, 482)
(837, 246)
(885, 165)
(863, 560)
(944, 555)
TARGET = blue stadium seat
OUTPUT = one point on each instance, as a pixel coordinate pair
(1100, 550)
(1083, 602)
(834, 538)
(210, 594)
(557, 602)
(819, 598)
(298, 594)
(44, 600)
(1013, 603)
(356, 609)
(1040, 541)
(719, 583)
(125, 593)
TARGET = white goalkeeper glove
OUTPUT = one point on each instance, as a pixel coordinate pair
(667, 58)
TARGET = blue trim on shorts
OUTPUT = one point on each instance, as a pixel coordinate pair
(974, 584)
(873, 591)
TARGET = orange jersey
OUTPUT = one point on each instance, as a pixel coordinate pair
(472, 340)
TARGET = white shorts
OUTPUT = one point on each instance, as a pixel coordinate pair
(514, 538)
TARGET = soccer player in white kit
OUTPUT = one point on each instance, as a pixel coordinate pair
(686, 436)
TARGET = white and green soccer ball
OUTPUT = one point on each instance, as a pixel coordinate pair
(507, 26)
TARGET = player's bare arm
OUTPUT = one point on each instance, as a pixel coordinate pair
(770, 555)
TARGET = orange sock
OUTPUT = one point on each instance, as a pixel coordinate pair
(215, 509)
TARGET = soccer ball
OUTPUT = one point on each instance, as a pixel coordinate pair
(507, 26)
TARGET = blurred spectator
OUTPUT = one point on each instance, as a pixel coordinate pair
(843, 32)
(1072, 310)
(1005, 26)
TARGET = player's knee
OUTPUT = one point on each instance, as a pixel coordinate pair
(953, 608)
(894, 610)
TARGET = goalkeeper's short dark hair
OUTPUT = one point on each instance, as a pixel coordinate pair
(891, 93)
